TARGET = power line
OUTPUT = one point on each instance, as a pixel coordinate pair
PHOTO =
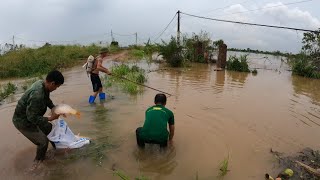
(165, 28)
(252, 24)
(124, 34)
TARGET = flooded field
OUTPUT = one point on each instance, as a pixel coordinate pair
(217, 113)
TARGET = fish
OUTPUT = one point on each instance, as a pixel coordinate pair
(65, 110)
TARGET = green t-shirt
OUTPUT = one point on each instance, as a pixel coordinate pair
(155, 125)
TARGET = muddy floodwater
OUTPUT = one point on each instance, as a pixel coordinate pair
(217, 113)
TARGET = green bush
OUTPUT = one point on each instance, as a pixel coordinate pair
(127, 78)
(171, 53)
(303, 65)
(238, 63)
(136, 53)
(7, 90)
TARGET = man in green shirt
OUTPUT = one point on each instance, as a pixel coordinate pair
(154, 130)
(28, 116)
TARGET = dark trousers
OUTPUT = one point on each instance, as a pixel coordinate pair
(39, 138)
(141, 142)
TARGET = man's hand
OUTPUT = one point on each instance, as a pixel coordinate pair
(170, 142)
(53, 116)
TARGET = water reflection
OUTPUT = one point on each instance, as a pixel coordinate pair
(152, 159)
(238, 78)
(308, 87)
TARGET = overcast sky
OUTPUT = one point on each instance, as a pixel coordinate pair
(86, 21)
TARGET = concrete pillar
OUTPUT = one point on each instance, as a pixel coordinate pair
(222, 56)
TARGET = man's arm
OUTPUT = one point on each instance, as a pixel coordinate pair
(101, 68)
(171, 129)
(33, 110)
(50, 104)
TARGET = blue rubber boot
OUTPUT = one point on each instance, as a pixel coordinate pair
(102, 96)
(91, 99)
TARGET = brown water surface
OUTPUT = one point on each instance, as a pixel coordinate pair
(217, 114)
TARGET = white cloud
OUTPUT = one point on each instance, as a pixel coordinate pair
(295, 16)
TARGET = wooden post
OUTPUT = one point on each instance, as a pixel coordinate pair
(222, 56)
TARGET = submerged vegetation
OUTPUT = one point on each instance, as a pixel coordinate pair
(307, 63)
(238, 63)
(223, 167)
(127, 78)
(124, 176)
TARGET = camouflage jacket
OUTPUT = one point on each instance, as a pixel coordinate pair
(31, 108)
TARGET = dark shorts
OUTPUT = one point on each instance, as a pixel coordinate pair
(141, 142)
(96, 82)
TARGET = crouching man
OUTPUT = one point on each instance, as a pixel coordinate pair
(154, 130)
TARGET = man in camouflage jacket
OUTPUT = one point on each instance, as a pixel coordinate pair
(28, 116)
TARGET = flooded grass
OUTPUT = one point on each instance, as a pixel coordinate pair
(133, 74)
(7, 90)
(223, 167)
(123, 176)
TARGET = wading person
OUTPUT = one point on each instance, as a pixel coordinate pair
(28, 116)
(94, 76)
(157, 118)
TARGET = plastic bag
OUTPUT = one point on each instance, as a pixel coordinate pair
(62, 136)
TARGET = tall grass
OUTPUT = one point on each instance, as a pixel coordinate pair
(7, 90)
(28, 62)
(238, 63)
(133, 73)
(136, 54)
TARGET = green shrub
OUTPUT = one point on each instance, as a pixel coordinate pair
(127, 78)
(136, 53)
(303, 65)
(238, 63)
(7, 90)
(171, 53)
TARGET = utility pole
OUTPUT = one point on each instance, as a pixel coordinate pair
(13, 46)
(112, 36)
(178, 30)
(136, 38)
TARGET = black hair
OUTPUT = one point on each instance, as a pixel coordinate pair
(160, 98)
(56, 77)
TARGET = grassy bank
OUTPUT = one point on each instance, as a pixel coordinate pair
(28, 62)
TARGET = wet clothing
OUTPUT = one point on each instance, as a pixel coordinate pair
(28, 116)
(154, 129)
(141, 141)
(94, 75)
(96, 82)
